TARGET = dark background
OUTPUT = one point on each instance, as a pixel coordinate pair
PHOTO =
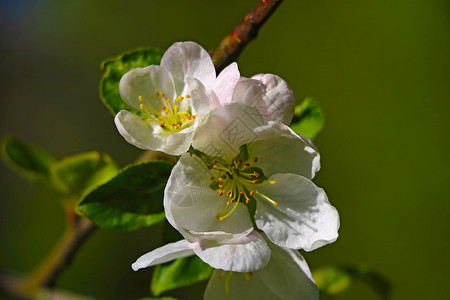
(379, 69)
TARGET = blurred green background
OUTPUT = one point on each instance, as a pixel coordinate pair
(379, 69)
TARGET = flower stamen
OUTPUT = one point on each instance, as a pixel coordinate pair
(170, 118)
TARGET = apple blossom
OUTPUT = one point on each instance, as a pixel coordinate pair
(174, 97)
(285, 276)
(169, 112)
(239, 160)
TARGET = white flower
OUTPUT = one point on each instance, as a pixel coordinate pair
(286, 276)
(170, 112)
(174, 97)
(242, 160)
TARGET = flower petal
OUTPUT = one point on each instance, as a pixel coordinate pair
(163, 254)
(148, 135)
(200, 98)
(281, 150)
(188, 59)
(250, 92)
(286, 276)
(279, 98)
(192, 207)
(243, 254)
(226, 129)
(225, 83)
(303, 218)
(146, 82)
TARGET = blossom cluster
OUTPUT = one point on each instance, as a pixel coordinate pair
(241, 193)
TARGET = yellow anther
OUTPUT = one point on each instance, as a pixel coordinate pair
(175, 106)
(247, 200)
(167, 100)
(162, 123)
(220, 193)
(220, 185)
(220, 179)
(251, 193)
(228, 193)
(241, 192)
(187, 96)
(161, 95)
(256, 174)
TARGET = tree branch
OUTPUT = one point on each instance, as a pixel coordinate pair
(232, 45)
(57, 261)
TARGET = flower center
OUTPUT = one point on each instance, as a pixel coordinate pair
(238, 180)
(169, 118)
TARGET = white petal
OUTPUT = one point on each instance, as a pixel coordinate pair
(192, 207)
(146, 82)
(250, 92)
(286, 277)
(243, 254)
(163, 254)
(225, 83)
(200, 98)
(226, 129)
(188, 59)
(281, 150)
(303, 218)
(138, 132)
(148, 135)
(279, 98)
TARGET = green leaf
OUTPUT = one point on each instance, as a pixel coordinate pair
(116, 67)
(308, 118)
(27, 159)
(78, 174)
(333, 280)
(131, 200)
(181, 272)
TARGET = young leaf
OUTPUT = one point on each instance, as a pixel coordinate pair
(116, 67)
(308, 118)
(78, 174)
(332, 280)
(27, 159)
(181, 272)
(131, 200)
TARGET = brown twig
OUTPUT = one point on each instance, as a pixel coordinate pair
(232, 45)
(57, 261)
